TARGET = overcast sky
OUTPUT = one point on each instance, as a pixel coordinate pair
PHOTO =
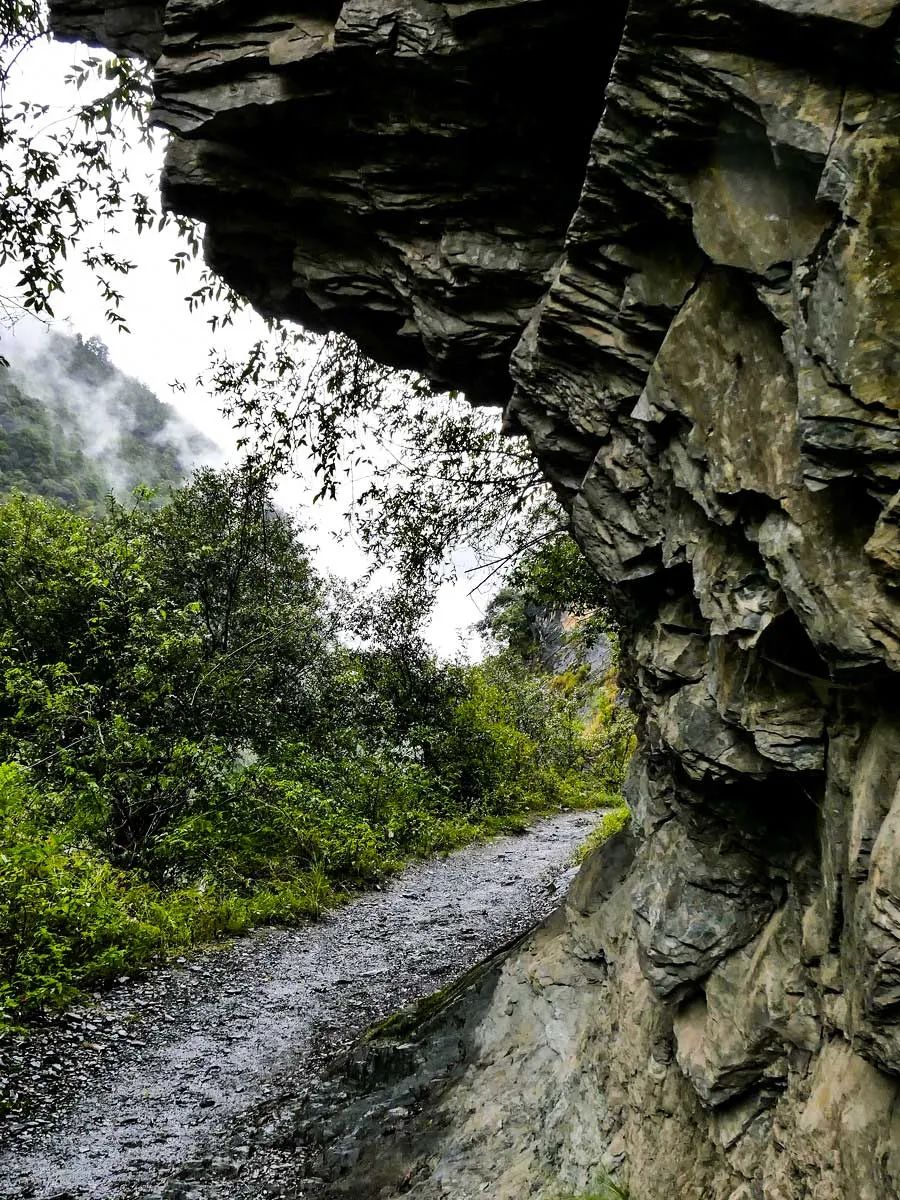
(168, 343)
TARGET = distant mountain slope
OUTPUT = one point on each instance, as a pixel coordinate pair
(74, 427)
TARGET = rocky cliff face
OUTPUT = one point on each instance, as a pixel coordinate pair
(667, 238)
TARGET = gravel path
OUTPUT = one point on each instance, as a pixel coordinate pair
(165, 1086)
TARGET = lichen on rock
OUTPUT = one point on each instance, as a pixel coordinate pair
(667, 239)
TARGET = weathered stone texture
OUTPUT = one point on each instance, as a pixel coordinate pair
(668, 241)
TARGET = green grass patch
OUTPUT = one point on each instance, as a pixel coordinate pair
(612, 823)
(605, 1188)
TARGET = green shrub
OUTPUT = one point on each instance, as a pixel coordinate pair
(66, 915)
(68, 918)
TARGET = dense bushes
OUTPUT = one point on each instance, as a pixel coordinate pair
(68, 916)
(191, 746)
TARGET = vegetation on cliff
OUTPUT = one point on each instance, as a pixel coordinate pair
(606, 1189)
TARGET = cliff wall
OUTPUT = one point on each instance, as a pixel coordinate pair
(666, 236)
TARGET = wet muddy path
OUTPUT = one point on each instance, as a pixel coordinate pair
(167, 1086)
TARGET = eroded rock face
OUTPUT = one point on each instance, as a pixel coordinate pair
(668, 240)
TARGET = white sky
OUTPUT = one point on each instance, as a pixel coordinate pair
(167, 343)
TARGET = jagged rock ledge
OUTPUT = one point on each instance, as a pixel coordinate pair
(667, 238)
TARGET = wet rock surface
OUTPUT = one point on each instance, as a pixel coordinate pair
(178, 1084)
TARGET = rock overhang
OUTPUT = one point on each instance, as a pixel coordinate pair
(404, 172)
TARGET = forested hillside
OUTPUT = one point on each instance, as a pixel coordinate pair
(74, 428)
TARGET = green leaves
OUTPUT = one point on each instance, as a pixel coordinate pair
(64, 181)
(122, 639)
(426, 474)
(65, 914)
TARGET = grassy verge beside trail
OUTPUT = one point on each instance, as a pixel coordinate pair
(613, 822)
(70, 920)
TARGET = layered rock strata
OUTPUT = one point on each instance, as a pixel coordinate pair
(667, 239)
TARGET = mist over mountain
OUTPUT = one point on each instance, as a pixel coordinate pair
(74, 427)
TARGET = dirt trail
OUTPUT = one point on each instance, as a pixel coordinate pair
(165, 1086)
